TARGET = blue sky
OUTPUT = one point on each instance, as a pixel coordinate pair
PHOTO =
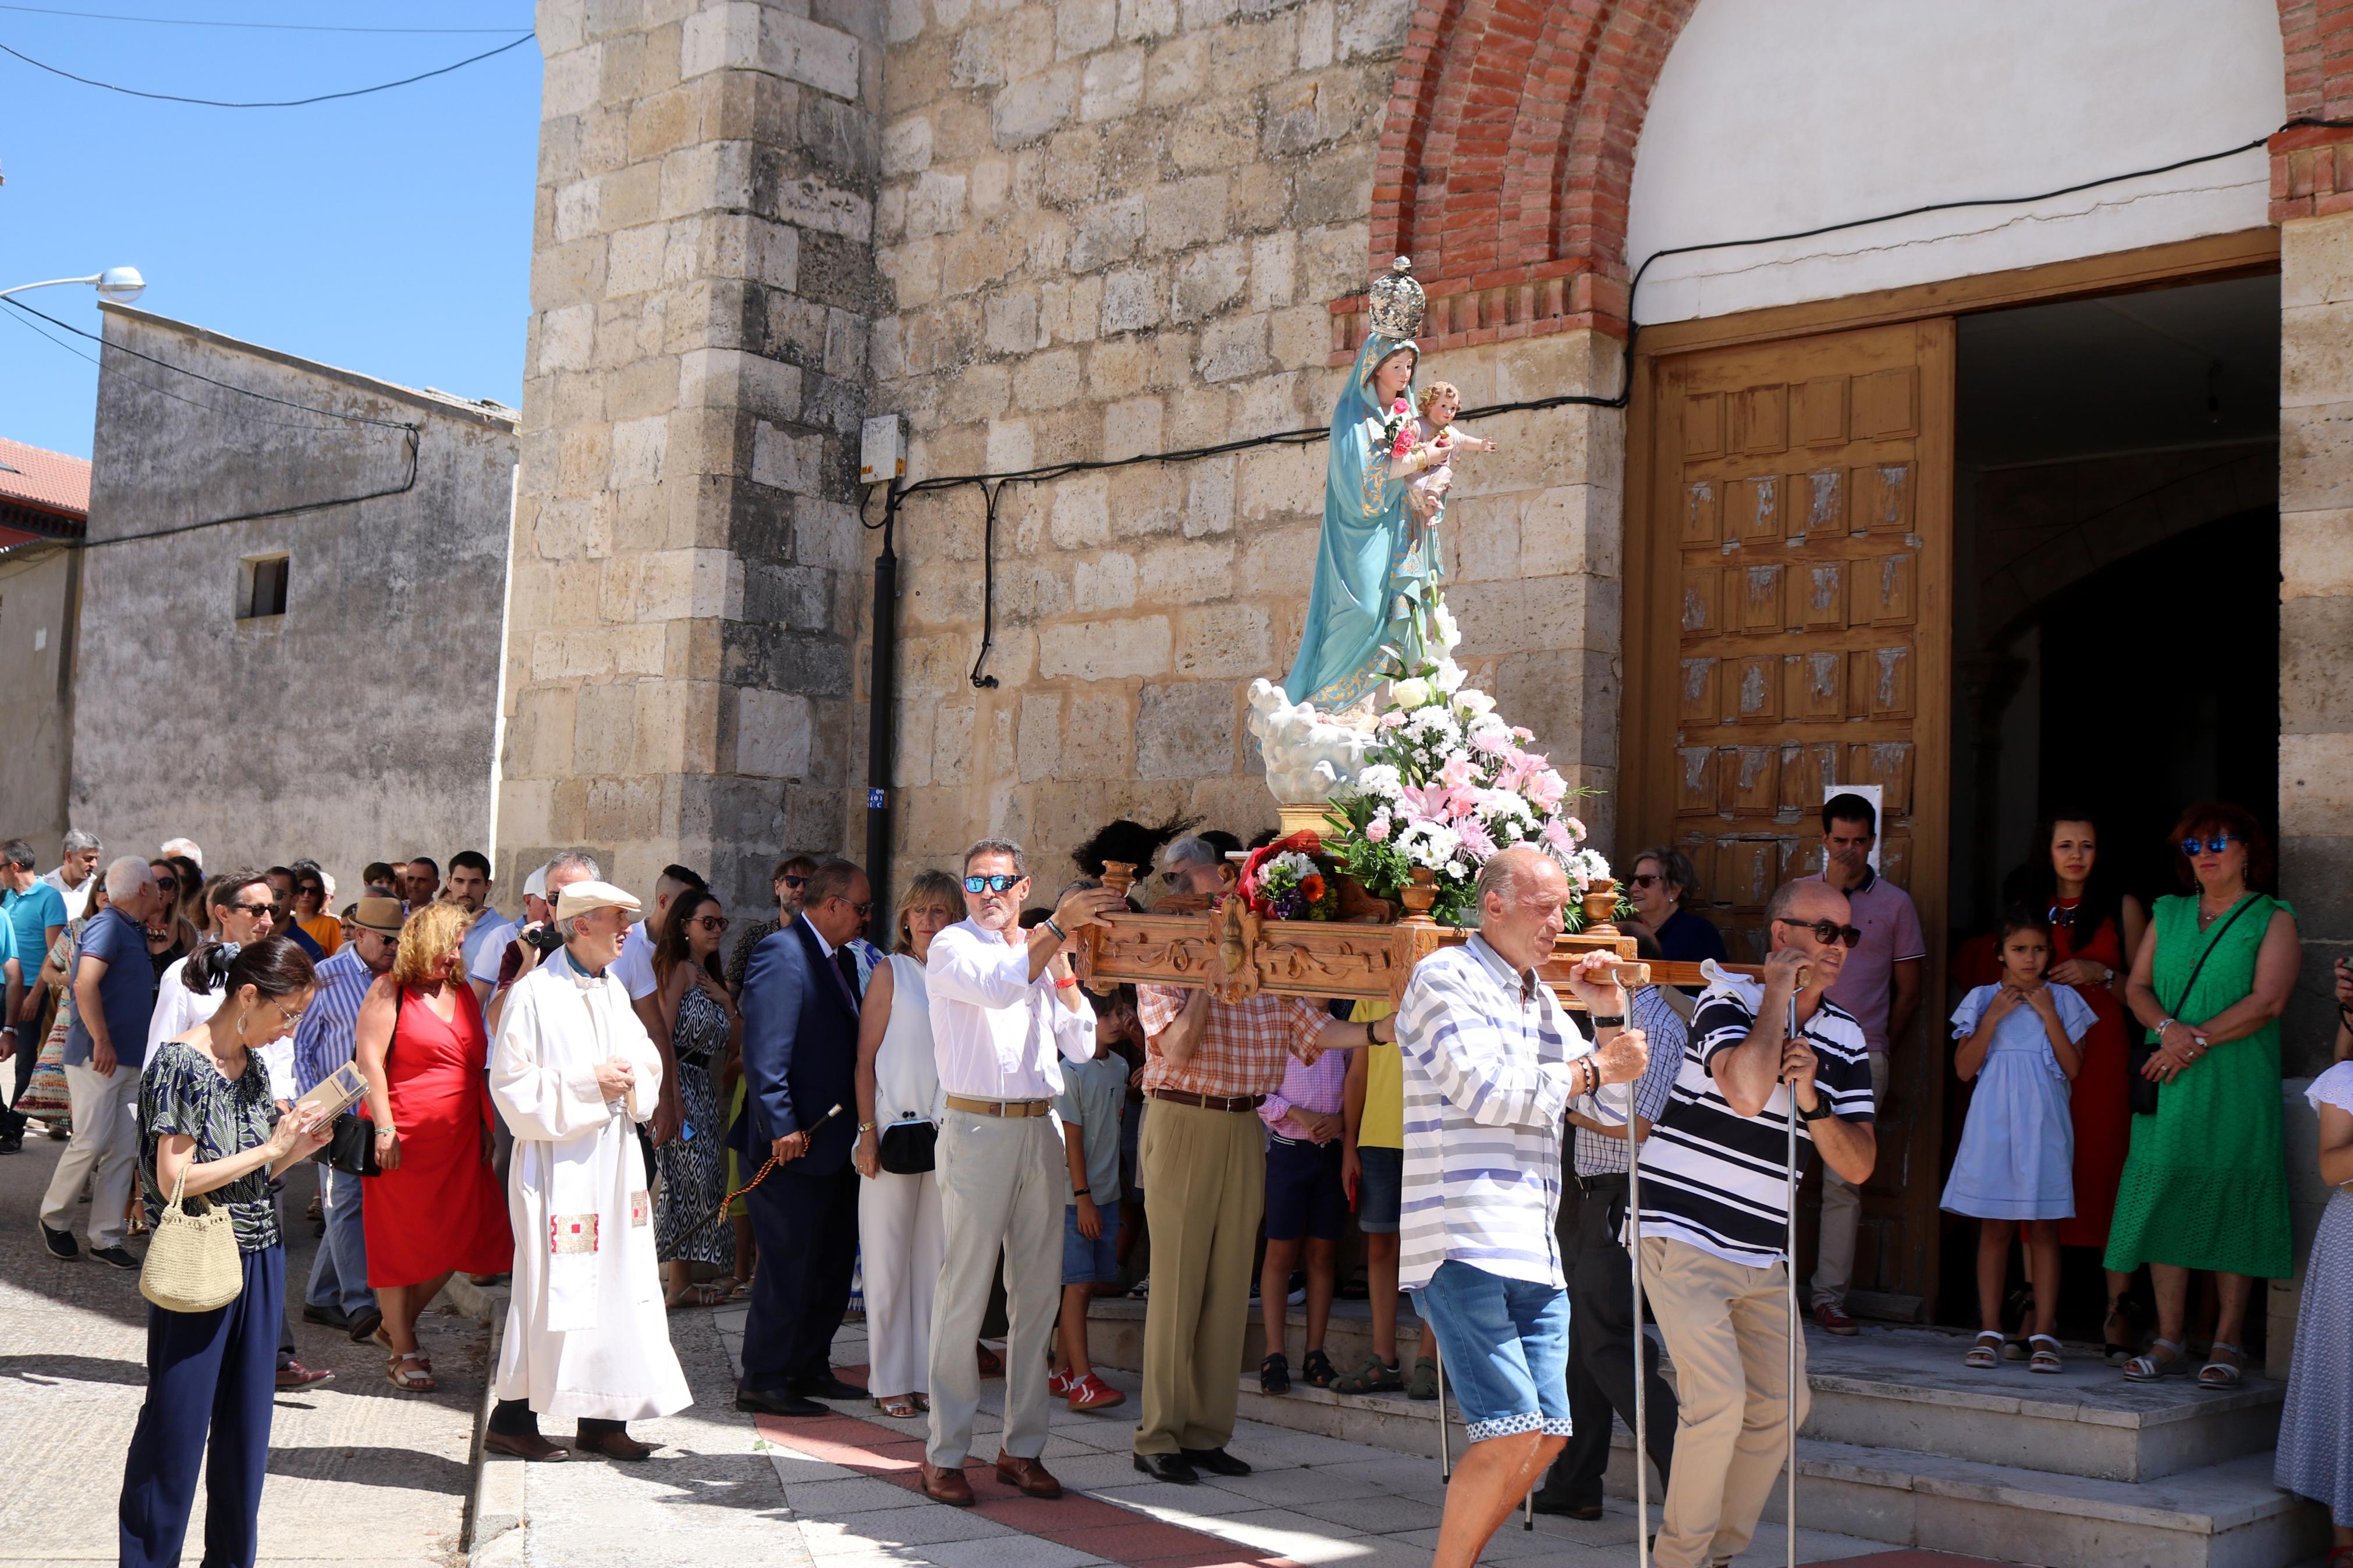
(389, 235)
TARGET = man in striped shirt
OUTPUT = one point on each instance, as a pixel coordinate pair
(338, 1293)
(1716, 1213)
(1491, 1065)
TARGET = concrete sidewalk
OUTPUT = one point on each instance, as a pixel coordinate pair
(360, 1476)
(839, 1492)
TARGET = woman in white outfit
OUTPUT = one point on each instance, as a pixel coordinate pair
(898, 1235)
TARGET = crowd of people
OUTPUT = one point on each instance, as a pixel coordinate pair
(957, 1131)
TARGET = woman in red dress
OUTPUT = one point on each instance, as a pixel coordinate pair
(2093, 928)
(437, 1207)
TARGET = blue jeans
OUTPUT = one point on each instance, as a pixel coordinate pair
(1506, 1344)
(339, 1272)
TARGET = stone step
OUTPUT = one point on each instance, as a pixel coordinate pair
(2225, 1515)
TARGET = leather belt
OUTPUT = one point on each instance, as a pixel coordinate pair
(1607, 1181)
(998, 1106)
(1234, 1103)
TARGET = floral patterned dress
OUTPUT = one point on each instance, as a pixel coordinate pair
(693, 1166)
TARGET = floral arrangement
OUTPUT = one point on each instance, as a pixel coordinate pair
(1446, 783)
(1286, 880)
(1398, 428)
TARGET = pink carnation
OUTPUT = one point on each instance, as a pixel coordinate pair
(1378, 829)
(1521, 734)
(1393, 718)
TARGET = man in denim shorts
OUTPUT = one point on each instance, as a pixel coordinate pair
(1491, 1067)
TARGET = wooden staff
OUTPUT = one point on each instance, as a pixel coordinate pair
(769, 1165)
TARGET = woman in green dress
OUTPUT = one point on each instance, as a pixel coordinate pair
(2206, 1183)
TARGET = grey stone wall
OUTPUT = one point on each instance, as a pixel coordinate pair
(357, 725)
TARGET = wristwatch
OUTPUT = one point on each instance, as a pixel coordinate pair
(1821, 1109)
(1613, 1021)
(865, 1127)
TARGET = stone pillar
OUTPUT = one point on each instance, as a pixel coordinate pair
(2316, 756)
(686, 544)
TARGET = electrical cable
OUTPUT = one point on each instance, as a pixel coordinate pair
(1564, 400)
(259, 27)
(516, 42)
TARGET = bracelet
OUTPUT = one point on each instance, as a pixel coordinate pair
(1614, 1021)
(864, 1127)
(1049, 922)
(1066, 985)
(387, 1131)
(1078, 1193)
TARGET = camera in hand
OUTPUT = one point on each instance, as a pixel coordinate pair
(546, 938)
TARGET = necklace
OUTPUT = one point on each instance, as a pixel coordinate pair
(2205, 919)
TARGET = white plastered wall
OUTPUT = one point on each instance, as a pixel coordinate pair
(1775, 116)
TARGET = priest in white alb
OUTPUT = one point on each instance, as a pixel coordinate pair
(573, 1072)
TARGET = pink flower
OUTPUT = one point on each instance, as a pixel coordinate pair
(1555, 834)
(1378, 829)
(1475, 838)
(1425, 803)
(1523, 735)
(1393, 718)
(1493, 742)
(1545, 790)
(1458, 773)
(1576, 828)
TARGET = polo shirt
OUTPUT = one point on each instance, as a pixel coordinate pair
(8, 948)
(485, 943)
(126, 993)
(1715, 1179)
(76, 899)
(30, 915)
(1890, 935)
(1093, 1094)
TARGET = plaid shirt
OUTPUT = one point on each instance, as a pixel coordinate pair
(1599, 1156)
(1243, 1049)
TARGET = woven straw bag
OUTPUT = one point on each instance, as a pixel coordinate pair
(192, 1263)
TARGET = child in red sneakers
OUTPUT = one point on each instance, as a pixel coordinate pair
(1093, 1094)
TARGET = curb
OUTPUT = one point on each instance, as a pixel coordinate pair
(493, 1534)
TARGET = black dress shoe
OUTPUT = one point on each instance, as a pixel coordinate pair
(1216, 1461)
(363, 1327)
(826, 1387)
(332, 1316)
(59, 1243)
(1172, 1468)
(777, 1402)
(1546, 1502)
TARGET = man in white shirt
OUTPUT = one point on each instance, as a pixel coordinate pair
(72, 876)
(1005, 1006)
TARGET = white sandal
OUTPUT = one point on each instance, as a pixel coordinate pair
(2045, 1360)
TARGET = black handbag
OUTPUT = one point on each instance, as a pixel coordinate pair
(2142, 1089)
(907, 1148)
(350, 1146)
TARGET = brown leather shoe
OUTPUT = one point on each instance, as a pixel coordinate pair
(525, 1445)
(612, 1445)
(1027, 1475)
(946, 1485)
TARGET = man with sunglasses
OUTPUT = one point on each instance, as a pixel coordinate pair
(338, 1294)
(1004, 1011)
(790, 877)
(1715, 1213)
(283, 921)
(1879, 985)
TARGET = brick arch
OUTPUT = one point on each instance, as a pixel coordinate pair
(1507, 156)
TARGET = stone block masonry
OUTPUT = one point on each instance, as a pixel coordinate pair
(686, 540)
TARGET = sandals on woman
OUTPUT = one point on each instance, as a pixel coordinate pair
(696, 1296)
(2150, 1366)
(418, 1380)
(1986, 1354)
(2046, 1357)
(2218, 1374)
(1376, 1376)
(898, 1406)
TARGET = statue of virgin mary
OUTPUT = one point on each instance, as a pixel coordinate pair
(1376, 564)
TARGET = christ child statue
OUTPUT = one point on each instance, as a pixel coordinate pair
(1435, 440)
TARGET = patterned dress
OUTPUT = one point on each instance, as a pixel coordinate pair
(2314, 1459)
(687, 1224)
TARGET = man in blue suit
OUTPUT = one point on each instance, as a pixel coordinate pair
(800, 1061)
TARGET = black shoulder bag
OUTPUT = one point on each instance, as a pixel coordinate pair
(907, 1148)
(2142, 1089)
(351, 1139)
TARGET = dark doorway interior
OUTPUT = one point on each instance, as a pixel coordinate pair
(2115, 610)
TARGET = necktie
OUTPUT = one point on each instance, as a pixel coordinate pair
(847, 968)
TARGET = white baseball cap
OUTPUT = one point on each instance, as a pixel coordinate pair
(536, 885)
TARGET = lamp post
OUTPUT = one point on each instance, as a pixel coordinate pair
(116, 285)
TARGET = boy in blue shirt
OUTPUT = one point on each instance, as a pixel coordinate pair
(1094, 1092)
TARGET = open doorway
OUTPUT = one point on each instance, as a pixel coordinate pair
(2115, 550)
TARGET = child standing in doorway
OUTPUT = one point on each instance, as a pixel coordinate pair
(2016, 1156)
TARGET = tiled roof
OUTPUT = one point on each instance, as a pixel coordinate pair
(43, 479)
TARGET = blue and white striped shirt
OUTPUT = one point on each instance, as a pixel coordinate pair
(1486, 1056)
(329, 1033)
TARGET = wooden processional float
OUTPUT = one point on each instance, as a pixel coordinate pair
(1219, 944)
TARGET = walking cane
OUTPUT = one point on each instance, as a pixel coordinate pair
(1789, 1266)
(1641, 1392)
(1445, 1461)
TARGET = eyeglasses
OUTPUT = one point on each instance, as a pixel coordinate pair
(1827, 932)
(710, 922)
(999, 883)
(2214, 845)
(860, 910)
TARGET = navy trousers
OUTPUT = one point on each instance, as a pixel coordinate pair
(208, 1374)
(808, 1231)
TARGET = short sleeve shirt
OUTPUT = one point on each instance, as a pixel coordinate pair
(1891, 934)
(127, 992)
(634, 967)
(182, 1091)
(1244, 1047)
(30, 915)
(1093, 1094)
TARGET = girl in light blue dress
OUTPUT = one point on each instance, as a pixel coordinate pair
(2017, 1159)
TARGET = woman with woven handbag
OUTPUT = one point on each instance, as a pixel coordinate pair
(215, 1281)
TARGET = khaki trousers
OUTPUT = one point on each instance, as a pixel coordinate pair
(1841, 1213)
(1001, 1183)
(1727, 1329)
(1203, 1193)
(103, 1151)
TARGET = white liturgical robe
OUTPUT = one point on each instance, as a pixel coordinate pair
(588, 1333)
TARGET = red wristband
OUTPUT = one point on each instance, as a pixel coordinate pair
(1066, 985)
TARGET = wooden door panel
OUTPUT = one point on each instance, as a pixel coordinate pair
(1798, 508)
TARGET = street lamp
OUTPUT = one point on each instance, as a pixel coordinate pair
(116, 285)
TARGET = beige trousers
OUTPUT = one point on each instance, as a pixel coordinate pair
(1842, 1211)
(1000, 1184)
(1726, 1328)
(1203, 1193)
(103, 1152)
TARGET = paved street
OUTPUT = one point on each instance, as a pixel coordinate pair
(360, 1476)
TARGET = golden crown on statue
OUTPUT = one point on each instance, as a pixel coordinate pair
(1397, 301)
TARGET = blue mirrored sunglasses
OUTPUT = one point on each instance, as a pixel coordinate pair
(2214, 845)
(997, 884)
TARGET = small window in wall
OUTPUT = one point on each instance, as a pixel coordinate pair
(262, 587)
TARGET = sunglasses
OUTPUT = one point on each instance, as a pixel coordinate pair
(710, 922)
(998, 883)
(794, 883)
(2214, 845)
(310, 890)
(167, 883)
(1827, 932)
(270, 910)
(1644, 880)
